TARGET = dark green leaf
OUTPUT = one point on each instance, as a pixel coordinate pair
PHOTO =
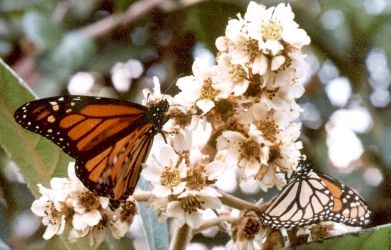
(37, 158)
(373, 238)
(209, 19)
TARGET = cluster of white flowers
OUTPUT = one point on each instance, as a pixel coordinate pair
(240, 113)
(67, 201)
(247, 100)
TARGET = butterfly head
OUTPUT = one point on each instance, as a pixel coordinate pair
(157, 114)
(302, 170)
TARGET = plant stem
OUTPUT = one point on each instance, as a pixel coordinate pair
(107, 25)
(215, 222)
(181, 237)
(238, 203)
(141, 195)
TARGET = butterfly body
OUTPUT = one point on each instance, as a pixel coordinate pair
(109, 138)
(310, 197)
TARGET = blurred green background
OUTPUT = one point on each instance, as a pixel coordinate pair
(346, 117)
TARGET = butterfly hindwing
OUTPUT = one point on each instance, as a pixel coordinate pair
(348, 208)
(115, 171)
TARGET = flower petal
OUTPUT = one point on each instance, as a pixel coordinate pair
(214, 169)
(205, 105)
(92, 218)
(194, 220)
(50, 231)
(78, 222)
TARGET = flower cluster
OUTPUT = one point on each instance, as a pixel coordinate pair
(240, 113)
(67, 201)
(248, 96)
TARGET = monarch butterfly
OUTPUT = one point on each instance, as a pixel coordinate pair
(109, 138)
(310, 197)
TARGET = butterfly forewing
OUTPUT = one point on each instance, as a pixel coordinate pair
(108, 138)
(80, 125)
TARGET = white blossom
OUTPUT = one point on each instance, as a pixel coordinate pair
(190, 205)
(166, 172)
(53, 218)
(249, 151)
(199, 89)
(230, 78)
(273, 26)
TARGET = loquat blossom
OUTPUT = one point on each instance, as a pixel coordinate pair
(240, 113)
(85, 204)
(249, 150)
(199, 89)
(53, 218)
(181, 184)
(189, 206)
(247, 232)
(166, 172)
(274, 26)
(324, 230)
(229, 77)
(68, 203)
(155, 95)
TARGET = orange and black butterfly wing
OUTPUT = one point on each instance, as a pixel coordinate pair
(108, 138)
(348, 208)
(114, 172)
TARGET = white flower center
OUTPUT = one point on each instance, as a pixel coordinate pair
(237, 73)
(170, 177)
(89, 201)
(252, 48)
(191, 204)
(196, 178)
(269, 129)
(181, 118)
(50, 210)
(128, 210)
(207, 91)
(249, 149)
(274, 151)
(248, 226)
(271, 30)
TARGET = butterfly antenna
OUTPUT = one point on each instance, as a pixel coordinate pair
(164, 137)
(173, 83)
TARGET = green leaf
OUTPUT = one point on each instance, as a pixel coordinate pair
(37, 157)
(73, 52)
(373, 238)
(41, 30)
(83, 9)
(156, 231)
(209, 19)
(111, 53)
